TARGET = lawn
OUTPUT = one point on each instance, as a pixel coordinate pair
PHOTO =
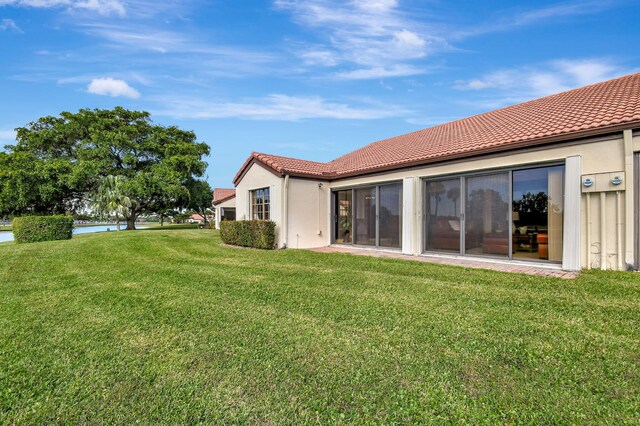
(170, 326)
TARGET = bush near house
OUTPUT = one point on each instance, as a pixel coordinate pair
(33, 229)
(249, 233)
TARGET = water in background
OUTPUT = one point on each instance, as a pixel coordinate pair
(8, 236)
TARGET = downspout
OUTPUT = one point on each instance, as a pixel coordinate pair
(629, 215)
(588, 230)
(285, 213)
(603, 231)
(620, 255)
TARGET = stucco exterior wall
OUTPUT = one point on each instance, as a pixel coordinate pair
(218, 207)
(258, 177)
(308, 216)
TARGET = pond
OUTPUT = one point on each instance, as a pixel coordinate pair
(8, 236)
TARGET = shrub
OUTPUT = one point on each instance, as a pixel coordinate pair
(33, 229)
(249, 233)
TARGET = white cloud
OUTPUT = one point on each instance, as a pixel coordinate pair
(274, 107)
(533, 16)
(9, 24)
(112, 87)
(102, 7)
(547, 78)
(371, 35)
(322, 57)
(380, 72)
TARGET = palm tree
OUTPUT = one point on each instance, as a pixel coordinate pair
(110, 198)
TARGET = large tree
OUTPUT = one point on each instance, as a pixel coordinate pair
(58, 162)
(200, 198)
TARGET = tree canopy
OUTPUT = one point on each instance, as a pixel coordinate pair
(58, 161)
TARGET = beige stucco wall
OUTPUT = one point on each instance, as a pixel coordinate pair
(258, 177)
(226, 204)
(308, 216)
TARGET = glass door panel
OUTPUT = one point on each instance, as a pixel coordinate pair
(443, 215)
(537, 213)
(344, 216)
(487, 215)
(365, 216)
(390, 226)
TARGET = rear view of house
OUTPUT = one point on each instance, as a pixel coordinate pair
(552, 181)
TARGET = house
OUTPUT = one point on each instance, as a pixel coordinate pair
(552, 181)
(224, 204)
(195, 218)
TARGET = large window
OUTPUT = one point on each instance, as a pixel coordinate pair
(512, 213)
(369, 216)
(487, 215)
(537, 213)
(260, 204)
(443, 215)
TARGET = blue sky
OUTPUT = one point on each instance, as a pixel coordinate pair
(311, 79)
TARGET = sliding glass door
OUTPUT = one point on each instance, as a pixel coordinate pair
(365, 214)
(390, 216)
(515, 214)
(537, 213)
(443, 215)
(343, 202)
(486, 214)
(370, 216)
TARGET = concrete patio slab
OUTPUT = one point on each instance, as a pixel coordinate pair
(545, 270)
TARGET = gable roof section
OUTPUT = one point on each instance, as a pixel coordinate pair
(221, 195)
(283, 166)
(597, 109)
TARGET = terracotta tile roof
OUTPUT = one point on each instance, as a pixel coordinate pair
(223, 194)
(596, 109)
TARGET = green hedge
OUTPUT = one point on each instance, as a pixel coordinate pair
(33, 229)
(249, 233)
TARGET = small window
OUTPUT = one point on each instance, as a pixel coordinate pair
(260, 204)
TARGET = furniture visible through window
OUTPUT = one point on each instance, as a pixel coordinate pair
(260, 204)
(370, 215)
(515, 213)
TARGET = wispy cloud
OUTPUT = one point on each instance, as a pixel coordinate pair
(112, 87)
(524, 83)
(547, 78)
(102, 7)
(9, 24)
(273, 107)
(372, 37)
(508, 20)
(177, 48)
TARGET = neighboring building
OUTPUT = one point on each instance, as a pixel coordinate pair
(224, 204)
(552, 180)
(195, 218)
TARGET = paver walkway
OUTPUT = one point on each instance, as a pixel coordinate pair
(494, 265)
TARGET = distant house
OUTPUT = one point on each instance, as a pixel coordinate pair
(196, 218)
(552, 181)
(224, 204)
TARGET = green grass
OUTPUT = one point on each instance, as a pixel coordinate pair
(172, 327)
(5, 228)
(170, 226)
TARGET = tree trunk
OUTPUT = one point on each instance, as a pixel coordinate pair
(161, 220)
(117, 222)
(131, 222)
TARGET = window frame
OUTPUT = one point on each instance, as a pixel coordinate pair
(260, 202)
(463, 189)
